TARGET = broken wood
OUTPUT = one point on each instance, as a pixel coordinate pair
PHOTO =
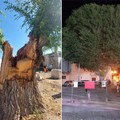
(19, 90)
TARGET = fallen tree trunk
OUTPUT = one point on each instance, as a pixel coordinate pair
(19, 89)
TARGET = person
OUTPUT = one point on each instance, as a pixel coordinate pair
(45, 69)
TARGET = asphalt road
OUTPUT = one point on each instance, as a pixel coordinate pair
(77, 106)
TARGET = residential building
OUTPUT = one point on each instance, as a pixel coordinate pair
(53, 60)
(71, 72)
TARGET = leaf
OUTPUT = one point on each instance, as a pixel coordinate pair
(91, 36)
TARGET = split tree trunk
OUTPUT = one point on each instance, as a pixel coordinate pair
(20, 100)
(19, 89)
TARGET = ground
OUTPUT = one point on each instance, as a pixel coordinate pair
(51, 93)
(50, 90)
(77, 106)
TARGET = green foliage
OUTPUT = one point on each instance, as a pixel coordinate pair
(1, 40)
(54, 41)
(1, 34)
(42, 17)
(92, 37)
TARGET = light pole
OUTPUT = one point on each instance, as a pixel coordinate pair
(106, 92)
(75, 82)
(78, 71)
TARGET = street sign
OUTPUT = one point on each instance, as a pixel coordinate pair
(89, 85)
(75, 84)
(103, 83)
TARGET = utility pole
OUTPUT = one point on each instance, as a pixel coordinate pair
(79, 72)
(107, 71)
(71, 86)
(106, 92)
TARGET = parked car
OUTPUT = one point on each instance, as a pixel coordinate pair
(82, 82)
(104, 82)
(68, 83)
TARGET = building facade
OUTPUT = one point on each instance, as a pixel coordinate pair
(53, 60)
(72, 72)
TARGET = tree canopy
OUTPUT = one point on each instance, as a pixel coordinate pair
(42, 17)
(1, 34)
(91, 36)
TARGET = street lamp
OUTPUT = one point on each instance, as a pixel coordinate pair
(114, 71)
(116, 79)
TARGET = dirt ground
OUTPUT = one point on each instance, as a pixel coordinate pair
(51, 94)
(50, 90)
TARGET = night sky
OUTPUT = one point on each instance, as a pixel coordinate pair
(69, 5)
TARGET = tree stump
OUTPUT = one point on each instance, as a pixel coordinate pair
(19, 89)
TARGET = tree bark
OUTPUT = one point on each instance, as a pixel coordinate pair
(20, 99)
(19, 90)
